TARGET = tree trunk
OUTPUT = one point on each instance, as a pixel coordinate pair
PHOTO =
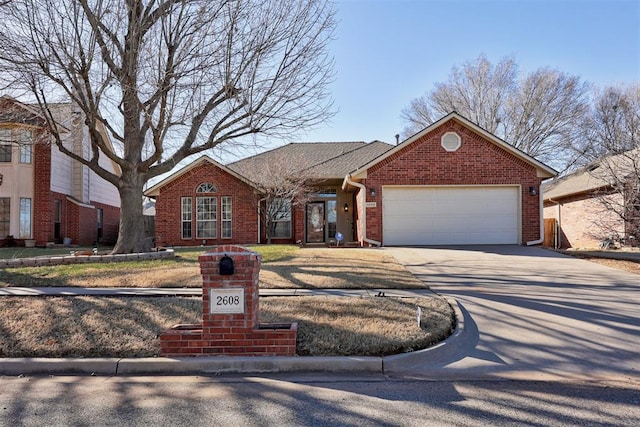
(131, 235)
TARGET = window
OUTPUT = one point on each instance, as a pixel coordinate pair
(25, 143)
(279, 212)
(25, 218)
(226, 218)
(5, 145)
(57, 220)
(206, 187)
(187, 217)
(100, 219)
(206, 218)
(450, 141)
(5, 215)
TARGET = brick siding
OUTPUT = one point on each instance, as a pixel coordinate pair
(110, 223)
(476, 162)
(584, 221)
(168, 224)
(42, 197)
(230, 334)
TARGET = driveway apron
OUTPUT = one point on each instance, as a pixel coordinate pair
(531, 313)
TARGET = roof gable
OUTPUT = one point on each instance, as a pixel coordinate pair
(543, 170)
(598, 175)
(14, 111)
(155, 190)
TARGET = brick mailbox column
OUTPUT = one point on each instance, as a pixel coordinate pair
(230, 312)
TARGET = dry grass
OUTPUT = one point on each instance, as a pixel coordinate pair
(308, 268)
(625, 261)
(128, 327)
(147, 274)
(318, 268)
(620, 264)
(366, 326)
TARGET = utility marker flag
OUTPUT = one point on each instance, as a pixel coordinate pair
(419, 315)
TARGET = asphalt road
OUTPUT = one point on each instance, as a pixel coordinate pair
(310, 401)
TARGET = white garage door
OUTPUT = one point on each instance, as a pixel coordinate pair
(450, 215)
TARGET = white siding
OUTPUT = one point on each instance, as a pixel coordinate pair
(70, 177)
(61, 172)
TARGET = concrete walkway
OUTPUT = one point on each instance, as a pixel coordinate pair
(531, 313)
(196, 292)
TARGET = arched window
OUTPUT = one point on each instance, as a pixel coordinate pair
(206, 187)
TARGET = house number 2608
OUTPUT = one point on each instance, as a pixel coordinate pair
(227, 300)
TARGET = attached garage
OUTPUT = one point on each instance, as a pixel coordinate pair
(453, 183)
(450, 215)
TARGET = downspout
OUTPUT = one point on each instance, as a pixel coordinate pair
(364, 210)
(541, 209)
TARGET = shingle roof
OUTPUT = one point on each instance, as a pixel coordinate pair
(580, 181)
(321, 160)
(597, 175)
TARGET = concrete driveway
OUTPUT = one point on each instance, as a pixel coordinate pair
(530, 313)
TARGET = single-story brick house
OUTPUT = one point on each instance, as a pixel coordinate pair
(452, 183)
(583, 206)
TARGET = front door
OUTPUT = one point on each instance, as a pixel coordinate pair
(315, 222)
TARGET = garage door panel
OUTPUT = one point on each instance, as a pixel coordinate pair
(450, 215)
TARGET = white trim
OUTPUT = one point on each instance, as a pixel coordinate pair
(347, 180)
(457, 145)
(79, 203)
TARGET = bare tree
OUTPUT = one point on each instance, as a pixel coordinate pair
(612, 138)
(538, 113)
(283, 181)
(613, 123)
(168, 78)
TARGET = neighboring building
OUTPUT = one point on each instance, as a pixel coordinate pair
(452, 183)
(583, 209)
(45, 196)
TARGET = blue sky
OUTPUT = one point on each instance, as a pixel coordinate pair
(388, 52)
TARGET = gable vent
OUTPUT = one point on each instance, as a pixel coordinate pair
(451, 141)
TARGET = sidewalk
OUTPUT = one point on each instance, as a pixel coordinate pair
(388, 365)
(196, 292)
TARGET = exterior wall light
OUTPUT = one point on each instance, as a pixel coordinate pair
(533, 191)
(372, 192)
(346, 207)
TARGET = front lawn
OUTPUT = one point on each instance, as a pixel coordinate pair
(284, 266)
(129, 326)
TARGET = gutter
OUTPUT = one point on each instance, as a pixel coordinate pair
(541, 209)
(347, 180)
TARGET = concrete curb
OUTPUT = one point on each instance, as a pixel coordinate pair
(266, 364)
(189, 365)
(18, 366)
(399, 363)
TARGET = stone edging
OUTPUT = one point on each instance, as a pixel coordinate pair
(83, 259)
